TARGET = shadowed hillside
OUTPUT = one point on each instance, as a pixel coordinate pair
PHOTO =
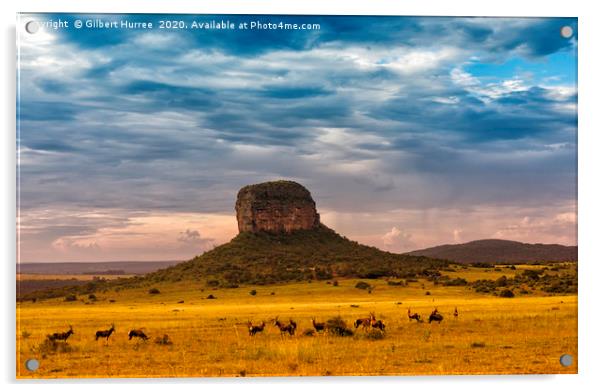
(264, 258)
(500, 251)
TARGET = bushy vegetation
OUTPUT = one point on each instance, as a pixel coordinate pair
(394, 283)
(337, 326)
(506, 293)
(481, 265)
(267, 258)
(363, 286)
(374, 335)
(455, 282)
(563, 283)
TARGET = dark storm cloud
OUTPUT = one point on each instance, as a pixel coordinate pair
(179, 121)
(535, 36)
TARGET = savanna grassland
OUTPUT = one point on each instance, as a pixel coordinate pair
(209, 337)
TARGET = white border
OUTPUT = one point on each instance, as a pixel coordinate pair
(590, 194)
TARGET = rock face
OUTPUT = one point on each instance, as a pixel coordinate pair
(275, 207)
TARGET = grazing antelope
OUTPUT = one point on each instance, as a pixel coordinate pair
(294, 324)
(319, 327)
(253, 329)
(105, 334)
(365, 323)
(61, 335)
(378, 324)
(137, 333)
(435, 316)
(285, 328)
(456, 313)
(413, 316)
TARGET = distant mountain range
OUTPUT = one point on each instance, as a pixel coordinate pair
(500, 251)
(94, 268)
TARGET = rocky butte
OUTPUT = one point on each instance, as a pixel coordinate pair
(276, 207)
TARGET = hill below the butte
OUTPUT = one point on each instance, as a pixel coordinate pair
(500, 252)
(281, 239)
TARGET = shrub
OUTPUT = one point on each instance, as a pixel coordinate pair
(338, 326)
(506, 293)
(374, 335)
(253, 292)
(477, 345)
(481, 265)
(335, 283)
(532, 274)
(211, 296)
(92, 297)
(363, 285)
(308, 332)
(53, 346)
(502, 281)
(455, 282)
(393, 283)
(25, 334)
(484, 286)
(427, 293)
(164, 340)
(70, 298)
(154, 290)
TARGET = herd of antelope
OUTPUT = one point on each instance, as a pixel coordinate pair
(367, 323)
(106, 334)
(285, 328)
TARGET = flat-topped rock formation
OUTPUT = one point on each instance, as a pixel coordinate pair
(276, 207)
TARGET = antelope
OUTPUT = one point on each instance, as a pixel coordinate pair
(284, 328)
(105, 334)
(319, 327)
(378, 324)
(413, 316)
(372, 318)
(365, 323)
(61, 335)
(435, 316)
(294, 324)
(456, 312)
(253, 329)
(137, 333)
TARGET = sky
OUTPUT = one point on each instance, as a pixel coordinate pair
(409, 132)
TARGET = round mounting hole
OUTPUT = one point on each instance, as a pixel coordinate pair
(32, 364)
(566, 360)
(32, 27)
(566, 31)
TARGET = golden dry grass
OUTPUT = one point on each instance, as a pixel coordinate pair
(491, 335)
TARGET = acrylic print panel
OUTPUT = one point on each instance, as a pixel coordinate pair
(270, 195)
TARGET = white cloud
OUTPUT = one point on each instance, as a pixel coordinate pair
(397, 240)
